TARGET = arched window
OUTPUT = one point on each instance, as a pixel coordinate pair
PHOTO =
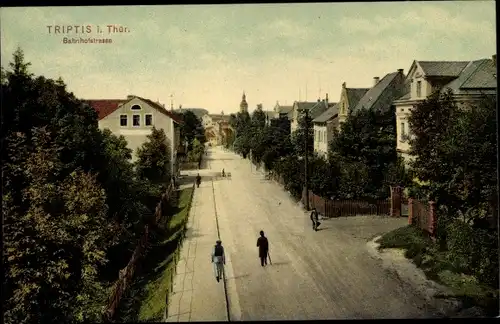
(135, 107)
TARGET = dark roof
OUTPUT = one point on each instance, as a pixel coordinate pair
(443, 68)
(482, 77)
(319, 108)
(162, 109)
(390, 88)
(328, 114)
(199, 112)
(104, 107)
(302, 105)
(355, 94)
(405, 97)
(285, 109)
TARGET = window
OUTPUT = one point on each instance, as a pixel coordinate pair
(135, 107)
(123, 120)
(136, 121)
(403, 130)
(324, 136)
(148, 120)
(419, 89)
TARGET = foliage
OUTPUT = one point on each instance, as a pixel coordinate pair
(153, 158)
(366, 151)
(63, 233)
(73, 204)
(191, 129)
(197, 151)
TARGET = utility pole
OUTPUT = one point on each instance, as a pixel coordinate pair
(306, 160)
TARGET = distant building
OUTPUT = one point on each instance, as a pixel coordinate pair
(243, 103)
(199, 112)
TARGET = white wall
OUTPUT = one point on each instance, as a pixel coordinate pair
(137, 135)
(320, 139)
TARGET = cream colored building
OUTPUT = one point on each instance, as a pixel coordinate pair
(134, 118)
(468, 80)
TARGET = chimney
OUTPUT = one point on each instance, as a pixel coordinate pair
(376, 80)
(130, 97)
(326, 99)
(494, 58)
(343, 85)
(401, 71)
(319, 100)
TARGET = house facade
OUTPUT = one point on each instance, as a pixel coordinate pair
(349, 98)
(134, 118)
(314, 108)
(217, 128)
(283, 111)
(468, 81)
(323, 130)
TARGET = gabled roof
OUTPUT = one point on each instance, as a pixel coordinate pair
(328, 114)
(302, 105)
(442, 68)
(318, 109)
(285, 109)
(161, 109)
(383, 93)
(354, 95)
(104, 107)
(199, 112)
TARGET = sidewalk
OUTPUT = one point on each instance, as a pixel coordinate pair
(197, 296)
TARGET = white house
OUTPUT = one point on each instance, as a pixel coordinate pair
(315, 108)
(323, 131)
(134, 118)
(468, 81)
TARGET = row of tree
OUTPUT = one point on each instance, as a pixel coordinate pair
(74, 205)
(361, 165)
(454, 163)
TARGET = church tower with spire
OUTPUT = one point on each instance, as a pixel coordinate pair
(244, 104)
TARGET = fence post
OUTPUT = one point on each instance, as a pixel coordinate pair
(432, 219)
(396, 201)
(410, 211)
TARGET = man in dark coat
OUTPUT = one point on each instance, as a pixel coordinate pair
(314, 219)
(263, 246)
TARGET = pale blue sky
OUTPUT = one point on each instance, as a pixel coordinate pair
(207, 55)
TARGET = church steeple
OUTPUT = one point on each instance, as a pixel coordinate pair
(244, 104)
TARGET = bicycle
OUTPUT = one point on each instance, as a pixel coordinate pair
(218, 268)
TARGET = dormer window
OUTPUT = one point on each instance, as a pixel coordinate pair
(135, 107)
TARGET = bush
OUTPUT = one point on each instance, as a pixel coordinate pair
(470, 250)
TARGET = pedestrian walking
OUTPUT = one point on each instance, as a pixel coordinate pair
(314, 219)
(263, 245)
(198, 180)
(219, 260)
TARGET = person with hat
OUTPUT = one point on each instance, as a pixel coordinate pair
(219, 260)
(263, 245)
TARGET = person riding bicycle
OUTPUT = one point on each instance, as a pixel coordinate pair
(198, 180)
(219, 260)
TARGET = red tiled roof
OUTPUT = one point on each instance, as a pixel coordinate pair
(105, 107)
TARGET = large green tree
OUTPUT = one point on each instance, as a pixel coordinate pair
(153, 158)
(367, 141)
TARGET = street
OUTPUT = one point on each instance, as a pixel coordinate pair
(314, 275)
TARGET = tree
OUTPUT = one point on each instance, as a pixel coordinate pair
(54, 248)
(256, 133)
(243, 127)
(191, 128)
(367, 140)
(153, 158)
